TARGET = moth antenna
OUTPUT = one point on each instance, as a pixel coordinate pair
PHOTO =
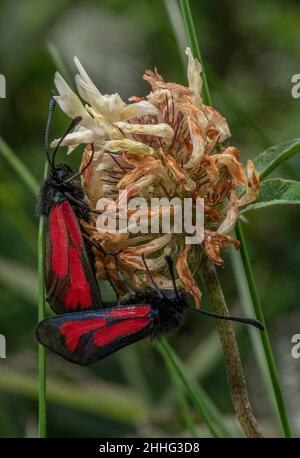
(51, 109)
(72, 126)
(171, 270)
(149, 275)
(120, 275)
(78, 174)
(251, 321)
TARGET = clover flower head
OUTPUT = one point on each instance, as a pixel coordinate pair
(166, 144)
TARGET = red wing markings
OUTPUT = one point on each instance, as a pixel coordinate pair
(126, 312)
(73, 330)
(126, 321)
(113, 331)
(59, 242)
(71, 224)
(79, 290)
(66, 257)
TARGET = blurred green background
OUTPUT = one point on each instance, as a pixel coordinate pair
(251, 51)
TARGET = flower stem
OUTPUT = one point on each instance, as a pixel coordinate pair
(264, 336)
(41, 316)
(232, 358)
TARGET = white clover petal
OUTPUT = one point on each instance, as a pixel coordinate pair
(138, 109)
(86, 88)
(70, 103)
(113, 105)
(76, 138)
(115, 146)
(109, 106)
(106, 128)
(194, 70)
(160, 130)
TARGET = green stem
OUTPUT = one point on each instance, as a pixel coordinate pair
(22, 171)
(204, 406)
(41, 316)
(18, 166)
(264, 336)
(181, 397)
(248, 309)
(232, 358)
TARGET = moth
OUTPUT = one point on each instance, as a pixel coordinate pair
(70, 280)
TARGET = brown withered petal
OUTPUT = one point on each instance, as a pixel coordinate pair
(252, 189)
(198, 143)
(213, 242)
(235, 168)
(186, 278)
(182, 178)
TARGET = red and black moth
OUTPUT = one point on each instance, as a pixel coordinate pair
(87, 337)
(71, 284)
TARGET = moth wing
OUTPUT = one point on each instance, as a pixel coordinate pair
(71, 283)
(86, 337)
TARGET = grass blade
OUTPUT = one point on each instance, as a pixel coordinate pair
(263, 335)
(191, 34)
(58, 62)
(26, 176)
(206, 409)
(237, 109)
(181, 397)
(41, 316)
(18, 166)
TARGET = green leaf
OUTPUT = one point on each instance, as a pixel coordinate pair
(276, 191)
(268, 160)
